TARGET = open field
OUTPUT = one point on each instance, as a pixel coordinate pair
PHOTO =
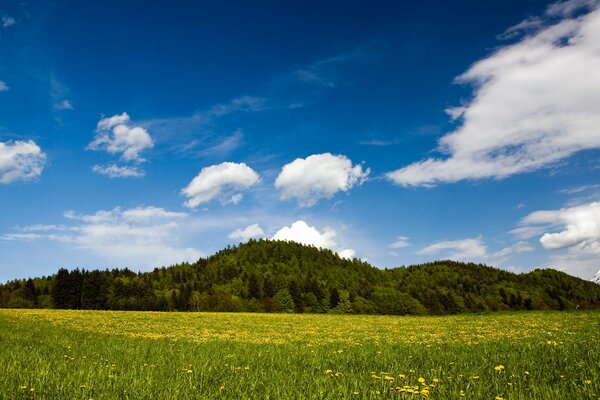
(52, 354)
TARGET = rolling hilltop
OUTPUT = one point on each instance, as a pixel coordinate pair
(274, 276)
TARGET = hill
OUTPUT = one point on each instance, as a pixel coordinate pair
(275, 276)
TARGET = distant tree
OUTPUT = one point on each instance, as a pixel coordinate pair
(344, 305)
(334, 298)
(296, 295)
(254, 287)
(283, 302)
(29, 292)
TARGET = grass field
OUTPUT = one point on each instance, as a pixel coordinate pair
(52, 354)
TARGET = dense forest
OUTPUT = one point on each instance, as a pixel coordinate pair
(275, 276)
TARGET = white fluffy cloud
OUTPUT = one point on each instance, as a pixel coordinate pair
(3, 86)
(222, 181)
(575, 230)
(142, 237)
(116, 135)
(318, 176)
(301, 232)
(535, 102)
(576, 226)
(249, 232)
(20, 161)
(116, 171)
(463, 250)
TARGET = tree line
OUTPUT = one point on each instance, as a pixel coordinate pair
(276, 276)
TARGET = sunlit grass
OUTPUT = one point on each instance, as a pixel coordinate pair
(137, 355)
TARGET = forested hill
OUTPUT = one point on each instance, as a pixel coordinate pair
(276, 276)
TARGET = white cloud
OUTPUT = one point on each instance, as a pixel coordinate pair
(347, 253)
(400, 243)
(142, 237)
(578, 226)
(3, 86)
(519, 247)
(574, 229)
(318, 176)
(116, 171)
(221, 181)
(301, 232)
(463, 250)
(115, 135)
(579, 189)
(63, 105)
(20, 161)
(249, 232)
(7, 21)
(535, 102)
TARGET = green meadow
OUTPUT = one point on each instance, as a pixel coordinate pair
(54, 354)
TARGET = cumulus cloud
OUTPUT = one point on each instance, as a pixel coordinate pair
(318, 176)
(116, 171)
(142, 237)
(573, 229)
(576, 226)
(301, 232)
(535, 102)
(3, 86)
(463, 250)
(249, 232)
(222, 181)
(116, 135)
(20, 161)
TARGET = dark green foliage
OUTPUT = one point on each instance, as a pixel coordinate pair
(267, 276)
(283, 302)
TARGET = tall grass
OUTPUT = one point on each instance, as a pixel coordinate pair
(51, 354)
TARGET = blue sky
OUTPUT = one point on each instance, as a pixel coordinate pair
(139, 135)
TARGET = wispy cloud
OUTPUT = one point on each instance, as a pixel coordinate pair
(461, 250)
(58, 95)
(63, 105)
(192, 126)
(474, 250)
(117, 171)
(378, 142)
(400, 243)
(212, 147)
(8, 21)
(141, 237)
(3, 86)
(519, 247)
